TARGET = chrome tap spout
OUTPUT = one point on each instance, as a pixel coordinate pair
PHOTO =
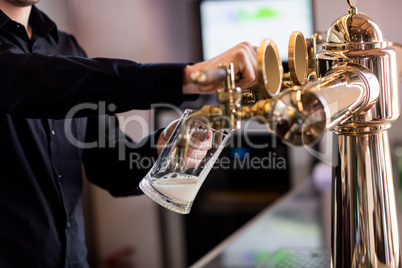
(301, 115)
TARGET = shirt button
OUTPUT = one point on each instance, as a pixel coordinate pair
(53, 132)
(60, 177)
(68, 225)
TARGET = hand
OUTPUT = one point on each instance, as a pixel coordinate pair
(199, 144)
(165, 135)
(244, 58)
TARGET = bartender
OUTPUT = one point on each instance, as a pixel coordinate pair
(44, 74)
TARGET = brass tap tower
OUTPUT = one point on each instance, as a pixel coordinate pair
(364, 217)
(350, 87)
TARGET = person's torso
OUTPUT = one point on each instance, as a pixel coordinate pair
(41, 223)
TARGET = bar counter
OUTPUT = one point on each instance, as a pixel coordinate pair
(293, 232)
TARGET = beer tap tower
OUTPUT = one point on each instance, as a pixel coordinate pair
(350, 87)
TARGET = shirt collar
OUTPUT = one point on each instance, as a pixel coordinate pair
(3, 19)
(41, 24)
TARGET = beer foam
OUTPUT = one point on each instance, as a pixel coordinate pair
(182, 188)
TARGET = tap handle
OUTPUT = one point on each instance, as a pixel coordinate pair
(209, 76)
(225, 74)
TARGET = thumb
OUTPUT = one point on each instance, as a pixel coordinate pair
(165, 135)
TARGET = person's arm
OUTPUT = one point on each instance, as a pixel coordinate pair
(35, 85)
(122, 163)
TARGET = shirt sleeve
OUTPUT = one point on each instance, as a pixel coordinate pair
(119, 164)
(41, 86)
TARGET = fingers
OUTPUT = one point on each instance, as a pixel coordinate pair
(244, 58)
(245, 62)
(165, 135)
(195, 156)
(200, 137)
(199, 145)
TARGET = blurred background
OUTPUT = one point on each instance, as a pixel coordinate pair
(170, 31)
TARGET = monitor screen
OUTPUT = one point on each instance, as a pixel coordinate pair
(225, 23)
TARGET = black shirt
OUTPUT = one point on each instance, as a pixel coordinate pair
(42, 79)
